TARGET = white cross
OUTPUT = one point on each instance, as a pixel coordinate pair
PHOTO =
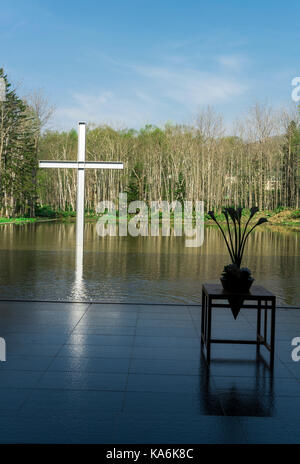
(80, 165)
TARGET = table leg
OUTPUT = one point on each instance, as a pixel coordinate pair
(202, 319)
(272, 355)
(258, 325)
(266, 324)
(208, 343)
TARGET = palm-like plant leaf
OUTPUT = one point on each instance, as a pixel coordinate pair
(236, 247)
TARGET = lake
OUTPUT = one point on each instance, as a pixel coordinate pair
(38, 262)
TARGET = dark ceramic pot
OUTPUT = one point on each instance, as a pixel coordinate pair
(237, 285)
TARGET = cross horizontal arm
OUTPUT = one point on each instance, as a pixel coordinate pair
(58, 164)
(103, 165)
(81, 164)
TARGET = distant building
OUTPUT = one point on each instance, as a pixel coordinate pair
(229, 180)
(271, 183)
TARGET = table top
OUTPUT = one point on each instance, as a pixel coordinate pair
(256, 291)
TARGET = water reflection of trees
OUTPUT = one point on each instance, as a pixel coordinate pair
(272, 253)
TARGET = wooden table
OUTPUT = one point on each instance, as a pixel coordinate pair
(258, 298)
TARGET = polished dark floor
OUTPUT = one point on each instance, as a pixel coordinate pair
(120, 373)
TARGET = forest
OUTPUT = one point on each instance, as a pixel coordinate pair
(258, 164)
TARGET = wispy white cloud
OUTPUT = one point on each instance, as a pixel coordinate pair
(232, 62)
(156, 94)
(192, 87)
(9, 31)
(106, 107)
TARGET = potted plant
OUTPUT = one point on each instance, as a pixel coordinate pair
(235, 278)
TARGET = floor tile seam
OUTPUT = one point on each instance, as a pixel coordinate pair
(51, 361)
(130, 358)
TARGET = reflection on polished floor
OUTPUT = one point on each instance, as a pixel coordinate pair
(121, 373)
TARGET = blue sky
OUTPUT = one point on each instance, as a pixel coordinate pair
(132, 62)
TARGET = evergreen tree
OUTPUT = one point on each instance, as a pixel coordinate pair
(17, 157)
(180, 188)
(291, 150)
(134, 188)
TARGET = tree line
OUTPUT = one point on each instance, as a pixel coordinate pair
(259, 164)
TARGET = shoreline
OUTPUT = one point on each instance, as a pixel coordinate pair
(279, 217)
(292, 225)
(26, 220)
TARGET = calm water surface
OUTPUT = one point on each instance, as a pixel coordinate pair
(38, 262)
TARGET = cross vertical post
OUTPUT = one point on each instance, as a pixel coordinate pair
(81, 165)
(80, 186)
